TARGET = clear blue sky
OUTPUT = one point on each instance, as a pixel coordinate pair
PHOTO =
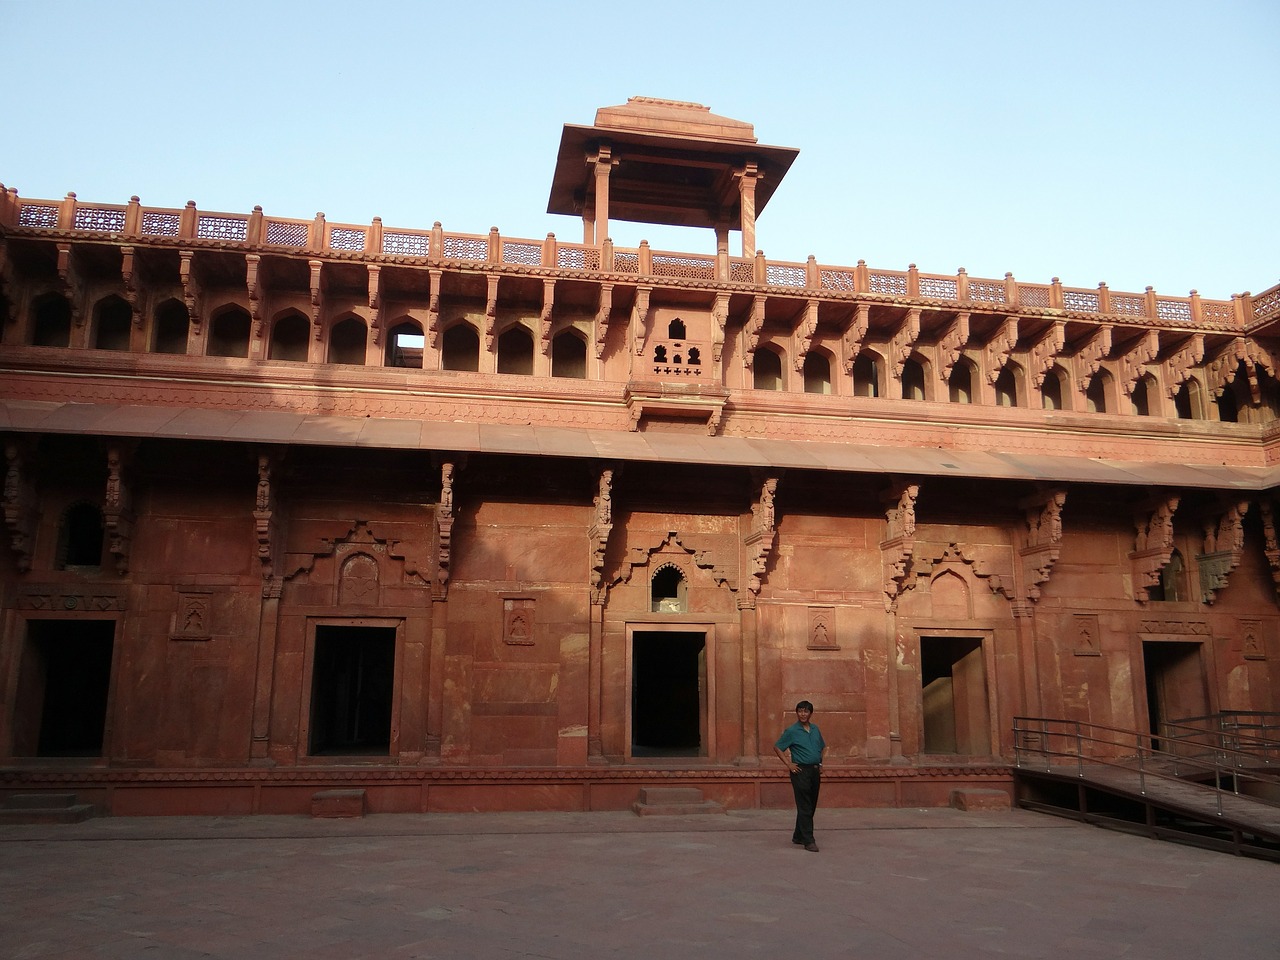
(1129, 142)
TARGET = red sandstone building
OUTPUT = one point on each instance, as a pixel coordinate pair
(476, 522)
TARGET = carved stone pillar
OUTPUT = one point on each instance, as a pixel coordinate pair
(602, 163)
(264, 681)
(747, 176)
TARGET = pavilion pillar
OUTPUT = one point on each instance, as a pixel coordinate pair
(747, 178)
(595, 681)
(268, 631)
(750, 682)
(435, 677)
(588, 225)
(603, 162)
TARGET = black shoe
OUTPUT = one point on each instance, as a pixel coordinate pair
(811, 847)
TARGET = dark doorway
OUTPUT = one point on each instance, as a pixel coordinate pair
(954, 696)
(351, 688)
(61, 708)
(1176, 687)
(668, 686)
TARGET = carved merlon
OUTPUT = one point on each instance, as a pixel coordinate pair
(898, 546)
(598, 534)
(999, 348)
(759, 542)
(117, 512)
(1223, 547)
(443, 533)
(1154, 542)
(20, 501)
(1041, 539)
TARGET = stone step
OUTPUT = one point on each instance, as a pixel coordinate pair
(673, 801)
(44, 808)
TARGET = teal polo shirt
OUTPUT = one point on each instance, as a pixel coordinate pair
(806, 746)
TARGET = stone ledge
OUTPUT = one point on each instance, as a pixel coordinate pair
(979, 799)
(338, 803)
(673, 801)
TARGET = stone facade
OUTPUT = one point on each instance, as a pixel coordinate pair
(472, 522)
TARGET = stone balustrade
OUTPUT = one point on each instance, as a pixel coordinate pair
(1242, 314)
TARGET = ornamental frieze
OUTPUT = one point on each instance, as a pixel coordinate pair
(68, 598)
(1191, 628)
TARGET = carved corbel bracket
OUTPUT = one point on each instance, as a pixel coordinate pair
(491, 312)
(1045, 353)
(751, 331)
(192, 289)
(1223, 547)
(20, 500)
(603, 309)
(951, 344)
(854, 334)
(1089, 357)
(1138, 356)
(71, 283)
(999, 348)
(598, 534)
(317, 298)
(264, 513)
(898, 546)
(544, 317)
(759, 541)
(639, 319)
(1272, 540)
(1153, 520)
(253, 263)
(8, 284)
(1176, 368)
(117, 512)
(1042, 537)
(433, 307)
(375, 302)
(443, 533)
(129, 277)
(719, 321)
(805, 333)
(904, 342)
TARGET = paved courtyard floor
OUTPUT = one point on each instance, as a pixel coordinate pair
(887, 884)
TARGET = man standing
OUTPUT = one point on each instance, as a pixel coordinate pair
(800, 747)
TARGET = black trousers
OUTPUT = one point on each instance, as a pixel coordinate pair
(805, 785)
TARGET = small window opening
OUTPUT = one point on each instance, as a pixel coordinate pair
(695, 357)
(569, 356)
(348, 342)
(172, 326)
(52, 323)
(912, 380)
(675, 329)
(112, 324)
(1173, 581)
(290, 339)
(767, 370)
(659, 354)
(229, 336)
(866, 376)
(960, 383)
(817, 374)
(669, 592)
(1006, 389)
(515, 352)
(1051, 391)
(80, 537)
(460, 348)
(1096, 395)
(405, 344)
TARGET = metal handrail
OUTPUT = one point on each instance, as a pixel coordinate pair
(1104, 745)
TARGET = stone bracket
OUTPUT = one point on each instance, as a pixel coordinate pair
(1154, 543)
(20, 500)
(1223, 547)
(117, 512)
